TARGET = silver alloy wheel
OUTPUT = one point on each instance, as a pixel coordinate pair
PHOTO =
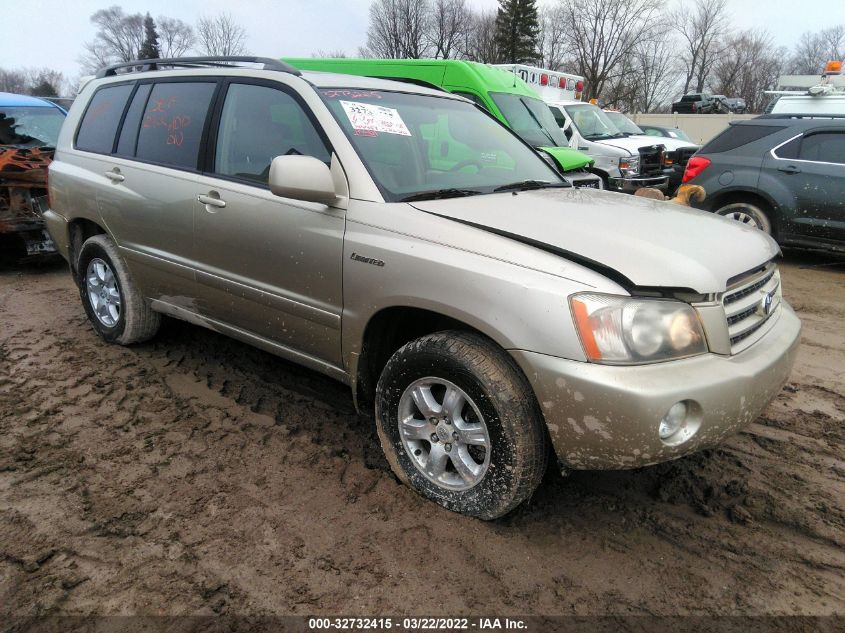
(103, 292)
(444, 433)
(747, 214)
(744, 218)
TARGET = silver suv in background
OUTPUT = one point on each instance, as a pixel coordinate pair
(477, 305)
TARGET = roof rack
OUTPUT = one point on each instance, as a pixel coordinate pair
(801, 115)
(142, 65)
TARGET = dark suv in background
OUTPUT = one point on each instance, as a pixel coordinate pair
(784, 174)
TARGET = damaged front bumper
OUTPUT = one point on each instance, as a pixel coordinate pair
(607, 417)
(23, 198)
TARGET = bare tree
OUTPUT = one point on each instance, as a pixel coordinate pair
(701, 30)
(119, 38)
(479, 41)
(813, 50)
(749, 65)
(220, 35)
(654, 60)
(12, 81)
(45, 77)
(602, 34)
(331, 54)
(175, 37)
(398, 29)
(552, 43)
(447, 25)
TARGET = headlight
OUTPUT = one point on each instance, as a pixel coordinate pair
(629, 165)
(625, 330)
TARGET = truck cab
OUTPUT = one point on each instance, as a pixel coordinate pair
(501, 93)
(625, 163)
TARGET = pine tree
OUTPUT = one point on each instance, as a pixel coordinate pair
(149, 49)
(517, 30)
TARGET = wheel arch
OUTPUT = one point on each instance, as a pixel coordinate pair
(79, 230)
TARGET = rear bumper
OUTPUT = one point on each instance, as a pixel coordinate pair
(57, 228)
(630, 185)
(607, 417)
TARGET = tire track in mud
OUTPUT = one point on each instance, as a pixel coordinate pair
(196, 474)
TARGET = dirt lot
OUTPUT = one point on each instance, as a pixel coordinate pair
(197, 475)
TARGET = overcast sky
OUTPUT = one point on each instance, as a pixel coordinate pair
(51, 32)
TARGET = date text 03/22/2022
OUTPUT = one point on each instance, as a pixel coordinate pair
(418, 624)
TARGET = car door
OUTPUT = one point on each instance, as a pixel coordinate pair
(149, 202)
(813, 169)
(269, 265)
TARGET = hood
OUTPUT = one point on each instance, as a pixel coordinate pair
(569, 159)
(632, 143)
(667, 141)
(634, 241)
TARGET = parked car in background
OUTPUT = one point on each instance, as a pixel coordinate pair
(782, 174)
(398, 239)
(696, 103)
(677, 151)
(626, 164)
(29, 129)
(660, 130)
(501, 93)
(736, 105)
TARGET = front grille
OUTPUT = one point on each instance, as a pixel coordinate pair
(683, 154)
(651, 160)
(750, 305)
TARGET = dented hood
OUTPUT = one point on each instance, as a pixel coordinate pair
(639, 242)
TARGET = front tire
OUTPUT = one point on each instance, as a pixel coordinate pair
(747, 213)
(114, 305)
(459, 424)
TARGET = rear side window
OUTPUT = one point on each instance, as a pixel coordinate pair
(102, 117)
(129, 131)
(737, 136)
(259, 123)
(824, 147)
(789, 150)
(172, 124)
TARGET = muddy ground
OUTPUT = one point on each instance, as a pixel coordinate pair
(194, 474)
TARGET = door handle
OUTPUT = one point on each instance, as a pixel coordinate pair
(789, 169)
(115, 175)
(212, 199)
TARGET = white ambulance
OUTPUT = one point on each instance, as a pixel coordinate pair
(813, 96)
(551, 85)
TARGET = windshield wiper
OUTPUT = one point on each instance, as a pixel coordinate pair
(439, 194)
(525, 185)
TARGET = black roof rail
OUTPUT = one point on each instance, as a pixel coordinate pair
(190, 62)
(801, 115)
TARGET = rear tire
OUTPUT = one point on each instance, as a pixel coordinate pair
(114, 305)
(482, 456)
(748, 213)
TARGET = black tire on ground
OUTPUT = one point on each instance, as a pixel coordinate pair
(747, 212)
(137, 322)
(491, 379)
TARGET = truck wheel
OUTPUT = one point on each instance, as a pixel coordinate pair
(114, 305)
(747, 213)
(459, 424)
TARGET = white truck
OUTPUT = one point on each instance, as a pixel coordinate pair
(551, 85)
(626, 163)
(809, 94)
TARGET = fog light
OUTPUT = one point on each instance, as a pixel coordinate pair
(673, 420)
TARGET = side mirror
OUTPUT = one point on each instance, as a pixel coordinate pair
(302, 178)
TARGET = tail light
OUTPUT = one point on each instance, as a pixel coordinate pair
(695, 166)
(694, 107)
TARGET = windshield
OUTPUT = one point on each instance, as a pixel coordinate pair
(416, 144)
(592, 122)
(30, 127)
(625, 125)
(531, 119)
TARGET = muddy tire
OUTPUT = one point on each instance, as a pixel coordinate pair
(459, 424)
(114, 305)
(748, 213)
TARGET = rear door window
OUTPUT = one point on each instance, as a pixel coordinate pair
(259, 123)
(824, 147)
(172, 123)
(102, 118)
(132, 121)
